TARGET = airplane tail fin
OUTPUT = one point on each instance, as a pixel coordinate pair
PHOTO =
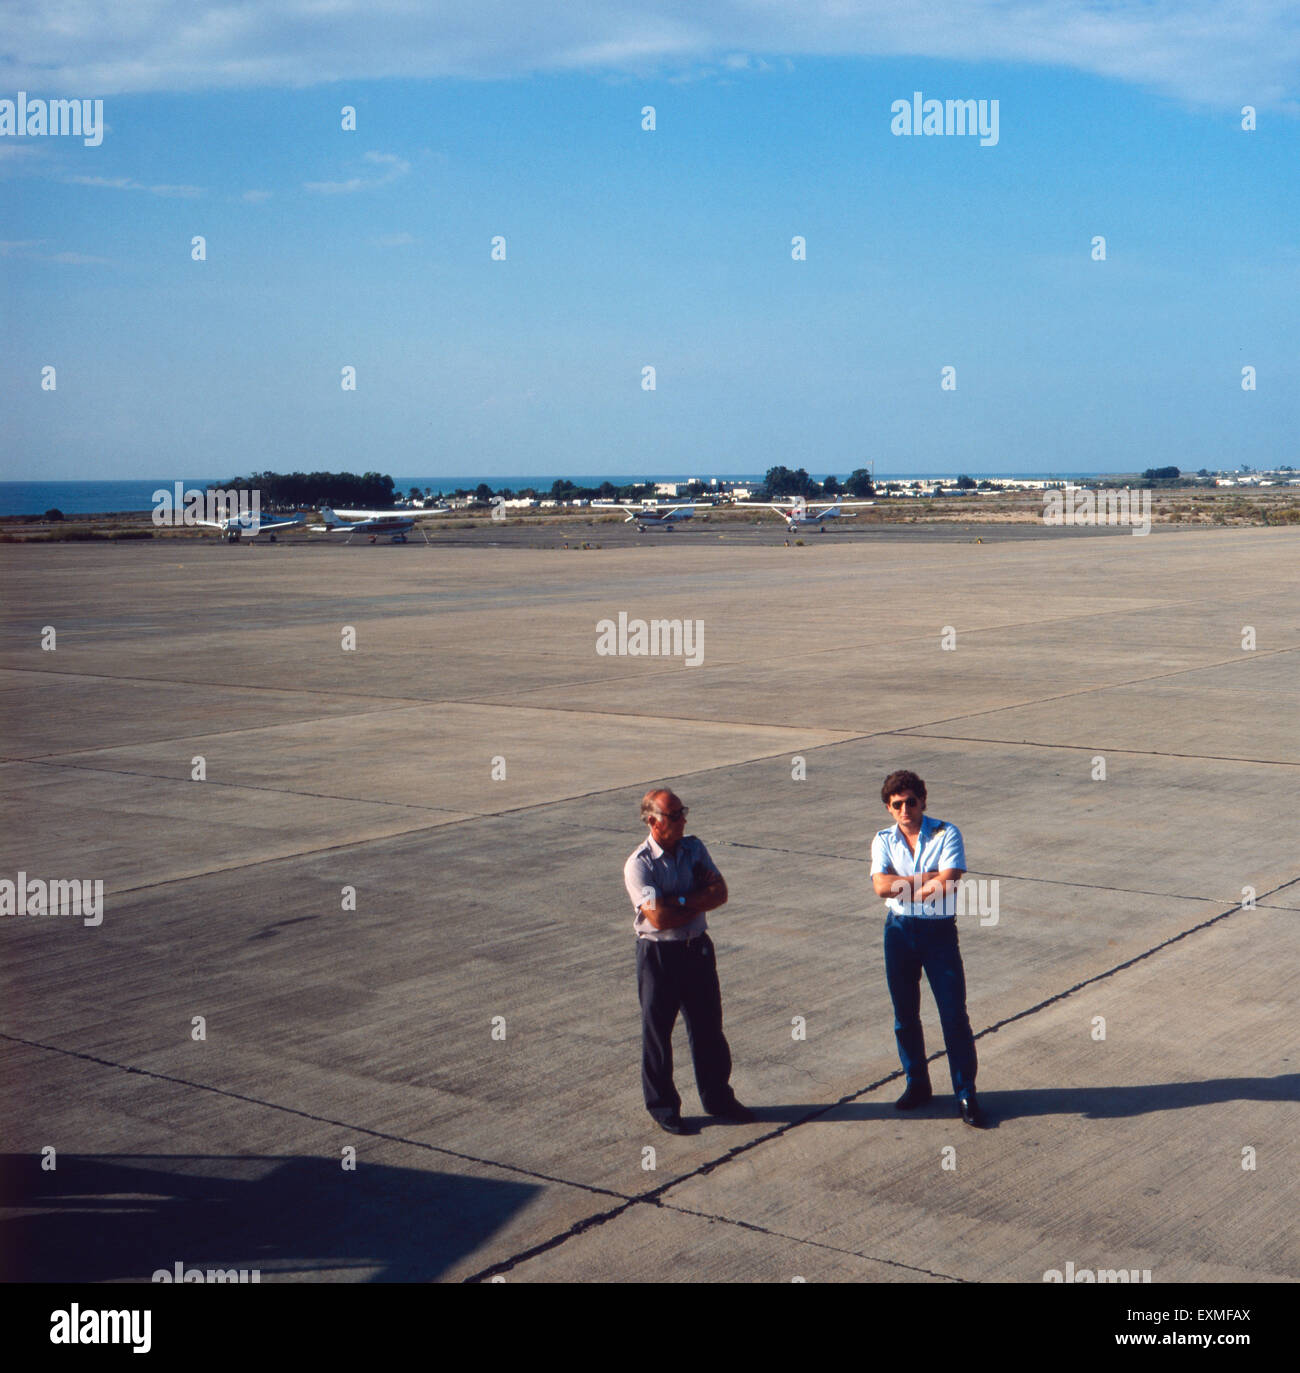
(328, 518)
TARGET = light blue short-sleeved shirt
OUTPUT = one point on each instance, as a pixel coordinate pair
(651, 868)
(938, 848)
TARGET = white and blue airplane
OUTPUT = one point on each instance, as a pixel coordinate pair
(375, 523)
(661, 516)
(251, 523)
(795, 511)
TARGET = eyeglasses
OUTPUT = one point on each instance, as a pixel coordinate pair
(904, 803)
(673, 815)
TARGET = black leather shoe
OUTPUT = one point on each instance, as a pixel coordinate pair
(917, 1094)
(675, 1125)
(970, 1111)
(736, 1114)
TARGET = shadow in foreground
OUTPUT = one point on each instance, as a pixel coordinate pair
(96, 1218)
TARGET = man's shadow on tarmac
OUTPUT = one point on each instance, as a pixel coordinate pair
(1092, 1103)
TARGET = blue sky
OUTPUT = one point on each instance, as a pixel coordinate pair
(670, 248)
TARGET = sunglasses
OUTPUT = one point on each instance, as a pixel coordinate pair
(673, 815)
(904, 803)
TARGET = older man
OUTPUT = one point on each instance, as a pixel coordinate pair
(672, 881)
(916, 864)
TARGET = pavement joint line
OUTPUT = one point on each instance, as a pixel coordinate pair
(653, 1197)
(978, 872)
(273, 858)
(898, 729)
(714, 664)
(632, 674)
(1108, 748)
(385, 1135)
(1105, 686)
(492, 701)
(486, 703)
(240, 786)
(816, 1244)
(155, 740)
(217, 686)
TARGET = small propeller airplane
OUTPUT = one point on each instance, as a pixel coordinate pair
(251, 523)
(374, 523)
(795, 511)
(661, 516)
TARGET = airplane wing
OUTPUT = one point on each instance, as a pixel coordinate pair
(643, 509)
(656, 512)
(387, 514)
(262, 527)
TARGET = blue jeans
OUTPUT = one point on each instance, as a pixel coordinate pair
(913, 944)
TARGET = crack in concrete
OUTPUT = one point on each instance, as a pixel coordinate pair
(816, 1244)
(1092, 748)
(310, 1115)
(703, 1170)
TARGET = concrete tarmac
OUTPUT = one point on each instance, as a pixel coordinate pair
(362, 1003)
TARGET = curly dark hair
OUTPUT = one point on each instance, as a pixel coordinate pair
(897, 783)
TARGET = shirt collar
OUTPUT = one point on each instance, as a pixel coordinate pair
(927, 828)
(658, 851)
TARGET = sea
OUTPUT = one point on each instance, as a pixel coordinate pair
(106, 497)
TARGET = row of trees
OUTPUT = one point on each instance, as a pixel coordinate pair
(781, 483)
(561, 490)
(299, 489)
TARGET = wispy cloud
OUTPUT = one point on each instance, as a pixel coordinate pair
(127, 183)
(402, 240)
(256, 197)
(27, 250)
(1218, 52)
(391, 167)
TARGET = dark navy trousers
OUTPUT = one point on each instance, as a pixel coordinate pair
(681, 975)
(914, 944)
